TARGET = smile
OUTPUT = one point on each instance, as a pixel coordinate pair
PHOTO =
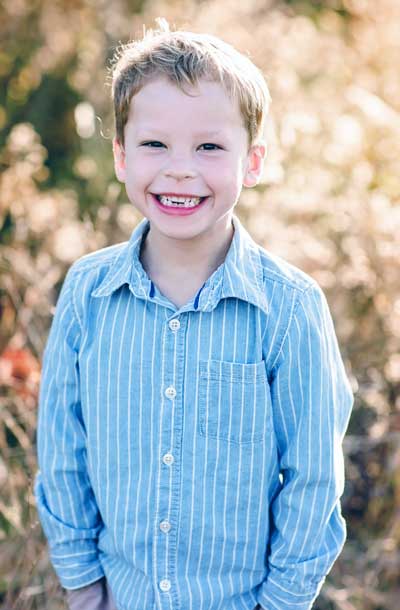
(175, 201)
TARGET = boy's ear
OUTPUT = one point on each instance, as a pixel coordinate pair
(255, 162)
(119, 160)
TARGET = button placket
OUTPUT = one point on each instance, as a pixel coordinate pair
(168, 482)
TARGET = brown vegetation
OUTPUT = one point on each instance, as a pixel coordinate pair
(329, 203)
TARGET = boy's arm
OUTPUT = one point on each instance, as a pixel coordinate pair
(312, 401)
(64, 497)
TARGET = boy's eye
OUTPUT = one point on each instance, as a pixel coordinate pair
(153, 144)
(210, 146)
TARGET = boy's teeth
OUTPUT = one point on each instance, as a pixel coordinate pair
(181, 202)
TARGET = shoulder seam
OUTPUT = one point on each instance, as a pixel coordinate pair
(74, 307)
(285, 282)
(290, 321)
(100, 258)
(266, 261)
(88, 264)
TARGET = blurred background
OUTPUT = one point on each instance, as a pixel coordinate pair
(329, 203)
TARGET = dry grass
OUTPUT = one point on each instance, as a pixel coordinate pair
(329, 203)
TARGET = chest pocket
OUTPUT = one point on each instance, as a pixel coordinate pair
(234, 401)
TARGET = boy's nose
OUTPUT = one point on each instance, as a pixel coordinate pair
(179, 173)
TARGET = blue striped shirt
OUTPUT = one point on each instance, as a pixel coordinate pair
(193, 455)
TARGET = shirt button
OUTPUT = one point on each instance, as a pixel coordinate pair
(170, 392)
(165, 585)
(174, 324)
(168, 459)
(165, 526)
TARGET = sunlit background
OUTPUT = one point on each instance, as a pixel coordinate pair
(329, 202)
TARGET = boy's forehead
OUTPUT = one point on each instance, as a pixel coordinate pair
(208, 100)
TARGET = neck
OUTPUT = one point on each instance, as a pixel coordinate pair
(179, 258)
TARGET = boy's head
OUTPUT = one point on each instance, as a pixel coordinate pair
(184, 58)
(189, 115)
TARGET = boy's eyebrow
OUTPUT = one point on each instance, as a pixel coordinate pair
(210, 134)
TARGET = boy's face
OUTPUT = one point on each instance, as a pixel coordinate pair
(190, 147)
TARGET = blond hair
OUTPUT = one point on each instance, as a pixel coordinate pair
(185, 58)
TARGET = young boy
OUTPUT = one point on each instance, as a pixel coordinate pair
(193, 399)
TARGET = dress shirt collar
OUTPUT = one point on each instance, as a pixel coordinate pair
(239, 276)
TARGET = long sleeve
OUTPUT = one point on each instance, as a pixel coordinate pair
(312, 401)
(65, 500)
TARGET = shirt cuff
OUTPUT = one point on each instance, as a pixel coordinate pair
(276, 595)
(76, 564)
(73, 552)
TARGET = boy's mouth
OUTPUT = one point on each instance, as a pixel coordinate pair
(179, 201)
